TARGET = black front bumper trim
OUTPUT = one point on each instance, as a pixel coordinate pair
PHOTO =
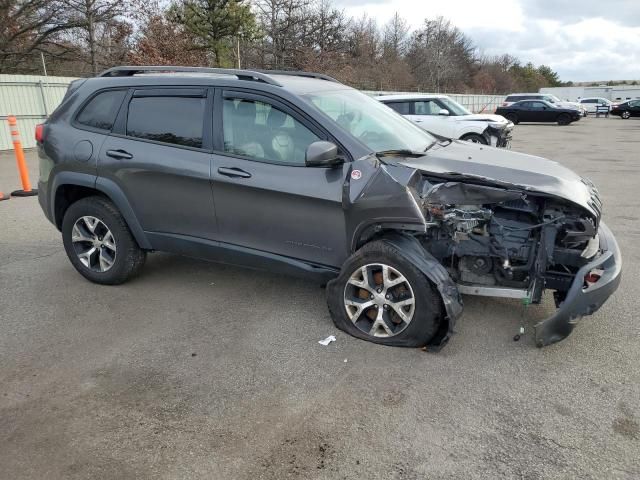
(584, 301)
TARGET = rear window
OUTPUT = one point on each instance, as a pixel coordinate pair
(101, 110)
(175, 120)
(517, 98)
(403, 108)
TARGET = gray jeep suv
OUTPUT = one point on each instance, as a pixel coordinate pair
(298, 173)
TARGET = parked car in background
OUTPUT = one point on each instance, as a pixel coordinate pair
(591, 104)
(538, 111)
(444, 116)
(630, 108)
(547, 97)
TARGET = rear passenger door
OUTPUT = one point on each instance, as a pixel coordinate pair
(159, 156)
(266, 199)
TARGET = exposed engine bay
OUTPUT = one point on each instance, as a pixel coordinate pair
(507, 243)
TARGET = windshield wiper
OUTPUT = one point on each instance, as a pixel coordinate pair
(399, 153)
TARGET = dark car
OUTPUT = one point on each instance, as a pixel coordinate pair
(630, 108)
(538, 111)
(297, 173)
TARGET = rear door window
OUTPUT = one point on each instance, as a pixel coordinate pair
(176, 120)
(403, 108)
(100, 112)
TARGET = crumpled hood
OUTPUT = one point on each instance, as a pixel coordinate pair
(509, 169)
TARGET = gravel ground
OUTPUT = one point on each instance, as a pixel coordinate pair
(195, 370)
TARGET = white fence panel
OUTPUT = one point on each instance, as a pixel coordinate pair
(31, 98)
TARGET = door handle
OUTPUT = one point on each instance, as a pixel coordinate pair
(233, 172)
(119, 154)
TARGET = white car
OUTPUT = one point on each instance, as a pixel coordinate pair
(592, 104)
(443, 116)
(547, 97)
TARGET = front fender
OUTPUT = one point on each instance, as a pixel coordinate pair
(438, 275)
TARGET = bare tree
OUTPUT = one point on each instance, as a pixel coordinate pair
(440, 56)
(394, 38)
(94, 20)
(28, 27)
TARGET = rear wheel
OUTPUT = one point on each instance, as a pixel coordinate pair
(512, 117)
(564, 119)
(626, 114)
(99, 243)
(474, 138)
(380, 296)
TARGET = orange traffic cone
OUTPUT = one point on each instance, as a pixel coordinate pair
(26, 191)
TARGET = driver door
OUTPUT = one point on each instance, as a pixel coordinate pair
(267, 200)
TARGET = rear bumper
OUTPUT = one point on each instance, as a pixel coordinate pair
(582, 301)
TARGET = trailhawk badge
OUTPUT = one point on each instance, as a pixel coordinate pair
(356, 174)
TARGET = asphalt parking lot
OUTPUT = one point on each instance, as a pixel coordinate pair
(196, 370)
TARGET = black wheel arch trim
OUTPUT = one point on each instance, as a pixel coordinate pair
(411, 248)
(108, 188)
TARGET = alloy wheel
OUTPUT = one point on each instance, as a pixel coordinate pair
(94, 244)
(379, 300)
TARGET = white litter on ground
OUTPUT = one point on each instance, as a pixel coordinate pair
(327, 340)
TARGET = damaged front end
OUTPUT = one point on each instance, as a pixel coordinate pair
(503, 242)
(493, 223)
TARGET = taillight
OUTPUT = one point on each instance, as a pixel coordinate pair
(39, 132)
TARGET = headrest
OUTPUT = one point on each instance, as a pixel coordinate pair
(276, 118)
(246, 109)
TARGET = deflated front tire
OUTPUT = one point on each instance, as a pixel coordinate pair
(380, 296)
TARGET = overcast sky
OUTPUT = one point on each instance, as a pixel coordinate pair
(583, 40)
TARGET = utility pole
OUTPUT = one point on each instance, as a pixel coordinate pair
(44, 65)
(238, 48)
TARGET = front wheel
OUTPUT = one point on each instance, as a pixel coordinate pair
(99, 243)
(626, 114)
(380, 296)
(564, 119)
(513, 118)
(474, 138)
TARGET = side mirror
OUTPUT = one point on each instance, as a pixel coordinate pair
(443, 111)
(322, 154)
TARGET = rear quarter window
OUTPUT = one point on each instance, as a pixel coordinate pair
(100, 112)
(175, 120)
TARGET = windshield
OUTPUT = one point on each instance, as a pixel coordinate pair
(454, 107)
(552, 99)
(373, 123)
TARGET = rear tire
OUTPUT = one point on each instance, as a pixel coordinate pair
(474, 138)
(395, 304)
(99, 243)
(564, 119)
(513, 118)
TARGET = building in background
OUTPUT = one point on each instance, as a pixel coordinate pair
(611, 92)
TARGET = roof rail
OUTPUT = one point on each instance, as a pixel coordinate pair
(297, 73)
(128, 71)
